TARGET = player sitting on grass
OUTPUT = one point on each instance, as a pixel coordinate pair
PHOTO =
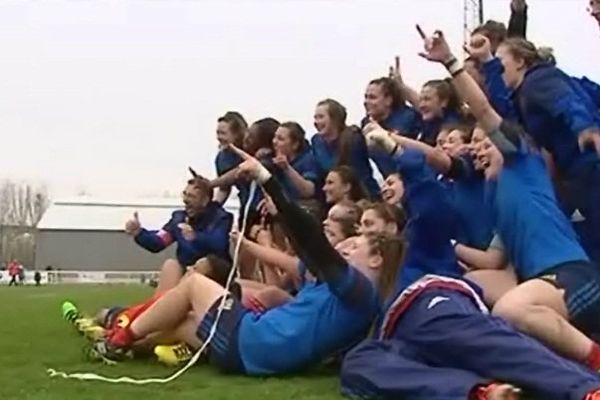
(167, 345)
(325, 317)
(437, 340)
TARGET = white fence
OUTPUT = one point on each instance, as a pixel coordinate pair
(76, 277)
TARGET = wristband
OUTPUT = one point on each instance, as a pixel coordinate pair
(454, 67)
(262, 174)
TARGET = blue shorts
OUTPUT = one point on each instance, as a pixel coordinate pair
(581, 283)
(223, 351)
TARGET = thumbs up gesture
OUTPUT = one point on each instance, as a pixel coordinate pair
(133, 226)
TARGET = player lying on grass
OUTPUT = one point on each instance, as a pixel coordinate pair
(325, 317)
(202, 228)
(438, 336)
(167, 345)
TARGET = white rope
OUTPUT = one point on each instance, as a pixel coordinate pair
(87, 376)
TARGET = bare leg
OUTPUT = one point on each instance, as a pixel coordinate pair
(495, 283)
(538, 308)
(196, 293)
(170, 274)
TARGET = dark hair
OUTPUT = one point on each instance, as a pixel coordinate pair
(265, 132)
(297, 135)
(446, 91)
(201, 183)
(338, 114)
(464, 128)
(495, 31)
(349, 222)
(391, 248)
(523, 49)
(348, 176)
(219, 269)
(390, 88)
(237, 125)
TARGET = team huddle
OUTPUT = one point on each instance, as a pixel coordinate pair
(472, 273)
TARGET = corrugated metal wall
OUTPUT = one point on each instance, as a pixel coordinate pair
(94, 250)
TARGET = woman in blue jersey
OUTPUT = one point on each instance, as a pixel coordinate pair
(562, 119)
(437, 104)
(296, 166)
(385, 104)
(325, 317)
(337, 144)
(231, 129)
(258, 140)
(559, 299)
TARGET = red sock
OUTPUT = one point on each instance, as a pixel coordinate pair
(121, 337)
(593, 395)
(593, 358)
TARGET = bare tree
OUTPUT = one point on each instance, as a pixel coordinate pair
(22, 204)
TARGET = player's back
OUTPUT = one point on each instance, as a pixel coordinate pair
(314, 325)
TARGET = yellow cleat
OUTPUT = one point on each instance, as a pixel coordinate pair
(173, 355)
(93, 332)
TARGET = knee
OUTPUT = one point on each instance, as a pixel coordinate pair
(519, 313)
(171, 265)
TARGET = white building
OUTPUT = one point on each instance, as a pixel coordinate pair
(87, 234)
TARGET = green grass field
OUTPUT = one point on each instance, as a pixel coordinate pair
(33, 337)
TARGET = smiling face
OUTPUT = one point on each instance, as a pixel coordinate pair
(431, 106)
(454, 144)
(225, 135)
(392, 189)
(322, 120)
(335, 189)
(283, 144)
(333, 225)
(377, 104)
(489, 159)
(194, 200)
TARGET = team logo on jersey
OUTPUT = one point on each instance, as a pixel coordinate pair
(123, 321)
(435, 301)
(228, 304)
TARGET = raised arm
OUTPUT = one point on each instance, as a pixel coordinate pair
(272, 257)
(438, 159)
(517, 25)
(411, 95)
(506, 140)
(303, 231)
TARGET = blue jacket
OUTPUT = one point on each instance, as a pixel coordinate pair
(431, 221)
(554, 109)
(212, 235)
(591, 88)
(499, 95)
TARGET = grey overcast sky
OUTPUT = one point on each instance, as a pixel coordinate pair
(118, 97)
